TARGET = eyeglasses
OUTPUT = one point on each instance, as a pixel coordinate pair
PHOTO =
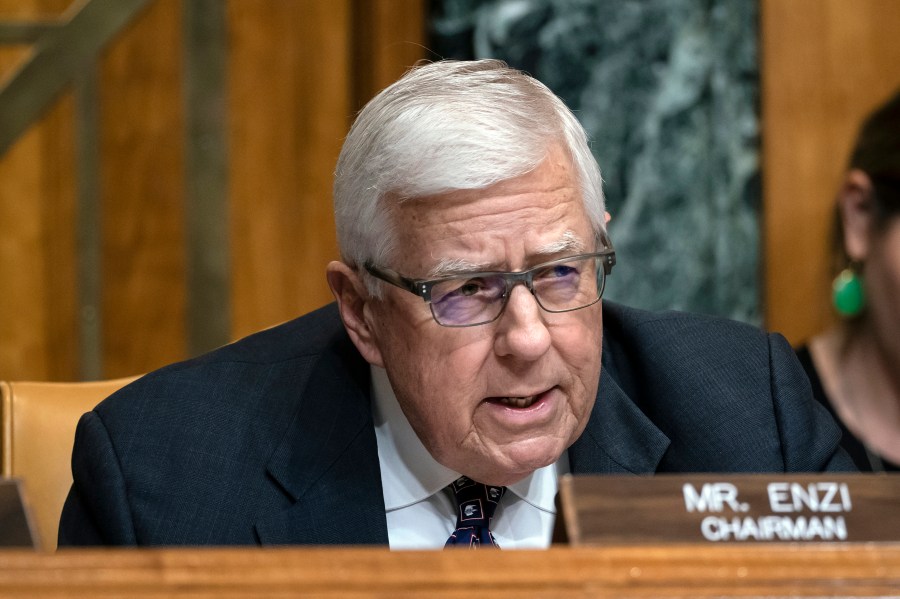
(471, 299)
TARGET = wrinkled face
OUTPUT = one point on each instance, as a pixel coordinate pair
(882, 277)
(499, 400)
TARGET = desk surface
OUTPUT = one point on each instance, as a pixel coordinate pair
(774, 570)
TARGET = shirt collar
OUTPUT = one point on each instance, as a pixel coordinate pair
(409, 474)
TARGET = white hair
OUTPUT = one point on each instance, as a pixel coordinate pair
(445, 126)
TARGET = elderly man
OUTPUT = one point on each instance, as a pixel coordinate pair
(459, 372)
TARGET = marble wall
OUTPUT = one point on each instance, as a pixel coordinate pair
(668, 92)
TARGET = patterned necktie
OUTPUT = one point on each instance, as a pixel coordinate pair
(476, 504)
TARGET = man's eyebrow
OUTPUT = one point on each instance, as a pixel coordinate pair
(455, 266)
(568, 243)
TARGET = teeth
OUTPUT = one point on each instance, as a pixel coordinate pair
(518, 402)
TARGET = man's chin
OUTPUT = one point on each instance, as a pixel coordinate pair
(515, 462)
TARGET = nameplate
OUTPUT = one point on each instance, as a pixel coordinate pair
(729, 508)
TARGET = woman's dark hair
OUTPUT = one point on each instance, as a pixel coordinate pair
(877, 153)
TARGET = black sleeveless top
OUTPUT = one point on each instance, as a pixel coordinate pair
(851, 444)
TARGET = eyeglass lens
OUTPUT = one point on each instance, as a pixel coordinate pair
(558, 287)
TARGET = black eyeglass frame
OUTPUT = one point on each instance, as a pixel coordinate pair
(423, 287)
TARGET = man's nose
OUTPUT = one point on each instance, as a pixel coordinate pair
(521, 330)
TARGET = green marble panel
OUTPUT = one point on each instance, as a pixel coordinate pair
(668, 92)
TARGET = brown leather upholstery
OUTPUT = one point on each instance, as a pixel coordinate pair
(37, 431)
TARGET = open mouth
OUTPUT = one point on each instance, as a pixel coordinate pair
(517, 402)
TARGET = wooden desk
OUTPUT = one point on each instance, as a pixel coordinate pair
(839, 570)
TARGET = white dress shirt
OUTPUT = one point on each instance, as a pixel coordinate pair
(421, 511)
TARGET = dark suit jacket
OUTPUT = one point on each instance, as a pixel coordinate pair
(258, 441)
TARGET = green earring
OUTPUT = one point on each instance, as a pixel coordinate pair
(848, 295)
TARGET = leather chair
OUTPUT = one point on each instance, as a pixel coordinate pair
(37, 431)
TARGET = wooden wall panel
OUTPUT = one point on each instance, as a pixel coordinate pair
(389, 37)
(60, 243)
(142, 194)
(38, 327)
(289, 108)
(33, 9)
(11, 57)
(825, 64)
(297, 71)
(36, 249)
(22, 338)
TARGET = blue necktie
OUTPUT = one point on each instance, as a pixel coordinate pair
(476, 504)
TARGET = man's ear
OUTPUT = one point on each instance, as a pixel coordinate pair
(856, 209)
(355, 306)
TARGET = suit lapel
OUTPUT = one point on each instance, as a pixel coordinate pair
(327, 462)
(619, 438)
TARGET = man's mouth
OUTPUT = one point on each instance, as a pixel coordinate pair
(517, 402)
(520, 401)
